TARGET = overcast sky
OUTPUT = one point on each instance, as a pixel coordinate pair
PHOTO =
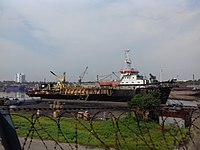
(37, 36)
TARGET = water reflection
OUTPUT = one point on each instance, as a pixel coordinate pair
(13, 94)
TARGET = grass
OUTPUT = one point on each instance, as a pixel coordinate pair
(124, 133)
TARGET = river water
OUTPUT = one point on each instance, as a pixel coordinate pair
(13, 94)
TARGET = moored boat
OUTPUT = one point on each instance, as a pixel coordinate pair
(129, 84)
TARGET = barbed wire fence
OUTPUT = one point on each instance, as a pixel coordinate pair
(105, 128)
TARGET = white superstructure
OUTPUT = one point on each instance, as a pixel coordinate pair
(130, 76)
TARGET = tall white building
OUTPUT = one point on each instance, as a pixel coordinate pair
(20, 78)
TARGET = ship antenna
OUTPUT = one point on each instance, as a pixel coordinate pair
(127, 59)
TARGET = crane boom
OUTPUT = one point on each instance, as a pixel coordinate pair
(60, 78)
(116, 75)
(82, 75)
(53, 73)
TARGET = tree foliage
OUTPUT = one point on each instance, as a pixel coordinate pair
(146, 101)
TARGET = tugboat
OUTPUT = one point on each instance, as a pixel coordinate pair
(129, 84)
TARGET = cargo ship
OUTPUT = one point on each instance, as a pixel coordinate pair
(129, 84)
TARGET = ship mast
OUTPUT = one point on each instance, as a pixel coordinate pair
(129, 76)
(127, 59)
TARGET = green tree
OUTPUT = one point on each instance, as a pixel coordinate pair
(146, 101)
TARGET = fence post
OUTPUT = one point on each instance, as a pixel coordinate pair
(8, 134)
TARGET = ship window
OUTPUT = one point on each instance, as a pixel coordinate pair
(126, 82)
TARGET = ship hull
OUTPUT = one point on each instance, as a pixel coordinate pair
(117, 95)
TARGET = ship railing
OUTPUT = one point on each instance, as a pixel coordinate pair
(87, 91)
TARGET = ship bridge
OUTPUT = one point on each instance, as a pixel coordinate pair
(130, 76)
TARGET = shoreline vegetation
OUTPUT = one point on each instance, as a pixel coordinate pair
(120, 133)
(130, 130)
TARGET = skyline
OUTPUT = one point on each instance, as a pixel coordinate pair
(66, 36)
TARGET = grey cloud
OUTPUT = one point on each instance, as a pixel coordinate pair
(69, 35)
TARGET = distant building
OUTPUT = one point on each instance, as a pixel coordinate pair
(20, 78)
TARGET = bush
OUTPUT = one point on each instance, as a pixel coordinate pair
(146, 101)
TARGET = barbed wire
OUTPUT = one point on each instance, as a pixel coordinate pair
(181, 138)
(172, 135)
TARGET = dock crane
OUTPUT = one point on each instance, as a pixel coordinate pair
(82, 75)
